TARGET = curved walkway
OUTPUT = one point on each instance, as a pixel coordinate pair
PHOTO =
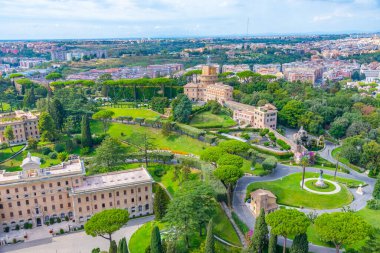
(336, 190)
(14, 154)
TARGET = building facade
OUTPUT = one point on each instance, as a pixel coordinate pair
(263, 199)
(24, 125)
(35, 195)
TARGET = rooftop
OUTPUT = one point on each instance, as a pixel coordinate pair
(261, 192)
(115, 179)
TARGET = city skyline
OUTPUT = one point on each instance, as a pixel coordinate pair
(91, 19)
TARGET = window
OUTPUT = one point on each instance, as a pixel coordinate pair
(52, 198)
(139, 198)
(18, 203)
(34, 187)
(138, 189)
(110, 194)
(102, 196)
(125, 192)
(69, 205)
(125, 201)
(27, 202)
(117, 194)
(95, 207)
(76, 181)
(16, 190)
(140, 208)
(61, 206)
(118, 202)
(53, 207)
(67, 182)
(88, 208)
(80, 209)
(60, 196)
(58, 183)
(35, 201)
(147, 207)
(42, 186)
(132, 191)
(25, 189)
(146, 197)
(50, 185)
(103, 205)
(94, 197)
(110, 203)
(44, 199)
(133, 200)
(45, 208)
(79, 200)
(3, 216)
(7, 191)
(87, 199)
(10, 205)
(11, 214)
(146, 188)
(20, 213)
(28, 211)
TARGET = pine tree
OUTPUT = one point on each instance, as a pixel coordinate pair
(260, 235)
(86, 132)
(113, 247)
(122, 248)
(161, 201)
(376, 190)
(30, 99)
(58, 113)
(300, 244)
(155, 241)
(272, 248)
(210, 244)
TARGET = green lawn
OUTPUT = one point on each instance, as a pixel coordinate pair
(209, 120)
(175, 142)
(7, 152)
(289, 193)
(335, 154)
(14, 164)
(258, 171)
(222, 228)
(371, 216)
(133, 112)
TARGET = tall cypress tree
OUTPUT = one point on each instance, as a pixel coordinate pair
(210, 243)
(155, 241)
(260, 235)
(113, 247)
(58, 114)
(300, 244)
(86, 132)
(272, 248)
(161, 201)
(122, 248)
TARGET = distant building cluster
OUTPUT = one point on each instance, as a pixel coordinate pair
(208, 89)
(371, 71)
(151, 71)
(24, 125)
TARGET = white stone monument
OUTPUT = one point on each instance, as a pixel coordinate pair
(360, 190)
(320, 182)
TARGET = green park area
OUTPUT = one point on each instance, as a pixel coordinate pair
(5, 153)
(174, 142)
(133, 112)
(4, 107)
(210, 120)
(288, 192)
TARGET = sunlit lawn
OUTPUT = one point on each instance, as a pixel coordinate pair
(288, 192)
(207, 119)
(7, 152)
(133, 112)
(174, 142)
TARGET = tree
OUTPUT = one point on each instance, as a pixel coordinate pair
(339, 127)
(30, 98)
(58, 113)
(212, 154)
(32, 143)
(105, 117)
(229, 175)
(260, 235)
(287, 222)
(166, 128)
(292, 112)
(376, 190)
(234, 147)
(113, 247)
(182, 108)
(210, 243)
(159, 104)
(122, 247)
(106, 222)
(371, 157)
(9, 135)
(272, 247)
(300, 244)
(191, 208)
(233, 160)
(109, 153)
(145, 144)
(86, 138)
(53, 76)
(161, 202)
(155, 241)
(46, 126)
(341, 228)
(304, 164)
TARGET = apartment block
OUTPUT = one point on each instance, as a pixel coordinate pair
(24, 125)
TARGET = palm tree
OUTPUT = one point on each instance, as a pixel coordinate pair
(304, 164)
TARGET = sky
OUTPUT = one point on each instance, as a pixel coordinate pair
(79, 19)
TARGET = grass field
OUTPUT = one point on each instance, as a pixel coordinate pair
(289, 193)
(7, 152)
(222, 228)
(175, 142)
(133, 112)
(209, 120)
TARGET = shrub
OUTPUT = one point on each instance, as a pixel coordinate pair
(63, 156)
(51, 221)
(46, 150)
(17, 227)
(61, 231)
(269, 163)
(42, 160)
(66, 218)
(264, 131)
(53, 155)
(283, 144)
(6, 229)
(59, 147)
(59, 220)
(373, 204)
(266, 144)
(245, 136)
(84, 151)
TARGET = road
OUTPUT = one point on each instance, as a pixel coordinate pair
(78, 242)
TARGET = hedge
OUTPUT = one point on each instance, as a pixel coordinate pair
(283, 144)
(277, 155)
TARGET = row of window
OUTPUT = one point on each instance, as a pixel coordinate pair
(42, 186)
